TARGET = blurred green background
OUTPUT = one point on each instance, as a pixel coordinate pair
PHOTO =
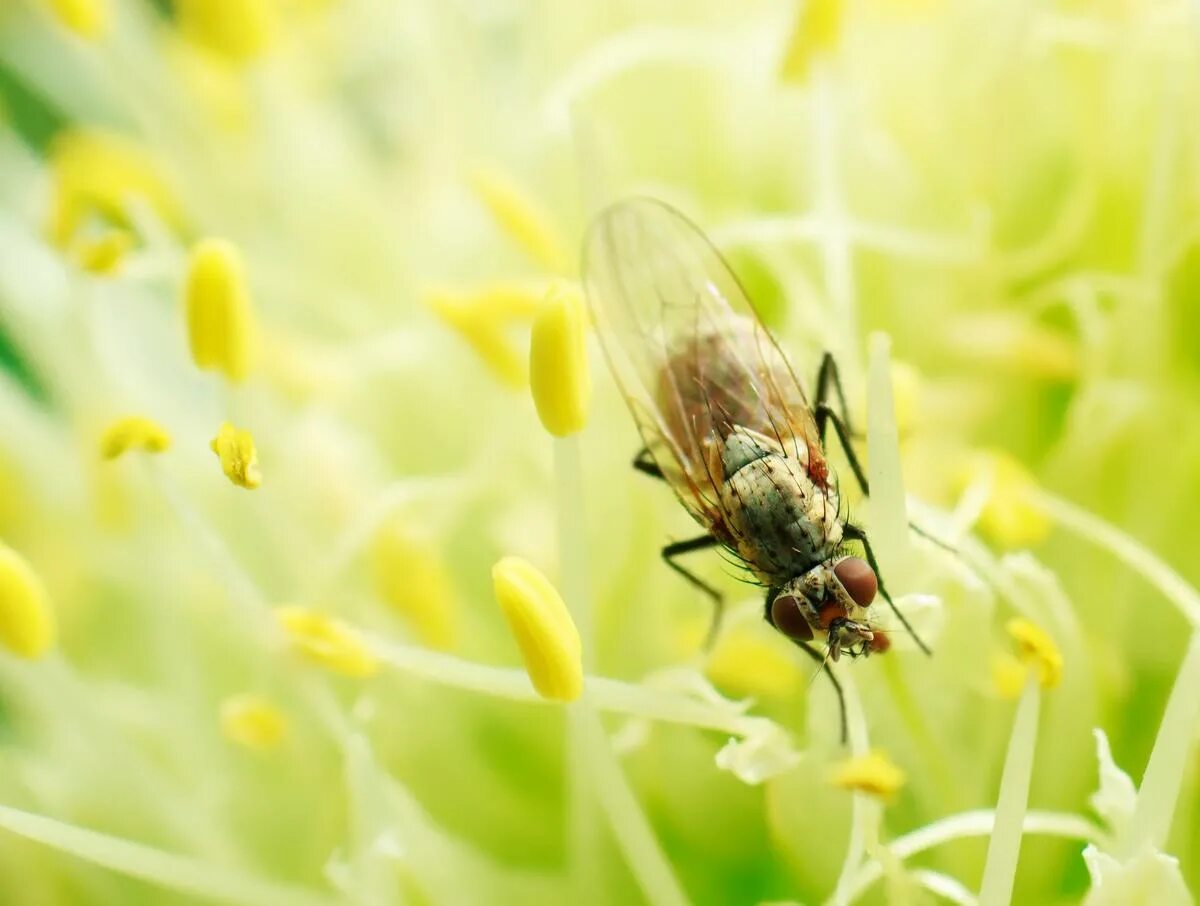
(1009, 189)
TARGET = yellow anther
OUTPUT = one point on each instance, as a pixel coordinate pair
(87, 18)
(543, 628)
(133, 432)
(253, 721)
(1036, 649)
(1011, 515)
(331, 643)
(522, 219)
(1009, 674)
(558, 363)
(745, 662)
(239, 459)
(237, 29)
(27, 626)
(873, 774)
(219, 90)
(485, 319)
(105, 254)
(99, 175)
(220, 317)
(411, 576)
(816, 32)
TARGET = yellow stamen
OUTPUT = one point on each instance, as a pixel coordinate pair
(27, 625)
(87, 18)
(485, 317)
(522, 219)
(253, 721)
(1009, 674)
(411, 576)
(328, 642)
(220, 317)
(239, 30)
(218, 90)
(1037, 650)
(558, 363)
(133, 432)
(873, 774)
(543, 628)
(817, 30)
(98, 175)
(1011, 515)
(747, 663)
(104, 255)
(239, 459)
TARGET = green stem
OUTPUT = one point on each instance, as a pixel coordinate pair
(572, 552)
(1004, 848)
(889, 512)
(1159, 792)
(632, 831)
(978, 823)
(136, 860)
(1132, 553)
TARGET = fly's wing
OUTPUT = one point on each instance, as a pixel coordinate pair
(689, 353)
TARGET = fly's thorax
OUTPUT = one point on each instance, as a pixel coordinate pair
(781, 520)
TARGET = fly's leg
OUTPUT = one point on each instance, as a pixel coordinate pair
(837, 686)
(828, 377)
(824, 415)
(645, 464)
(679, 548)
(854, 533)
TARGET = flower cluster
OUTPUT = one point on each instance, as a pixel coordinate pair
(324, 251)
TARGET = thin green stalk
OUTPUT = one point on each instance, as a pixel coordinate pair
(632, 831)
(978, 823)
(1004, 848)
(1159, 792)
(178, 873)
(1132, 553)
(864, 810)
(889, 513)
(572, 552)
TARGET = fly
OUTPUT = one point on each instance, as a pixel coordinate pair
(724, 421)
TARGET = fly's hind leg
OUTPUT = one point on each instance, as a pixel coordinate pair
(645, 464)
(828, 379)
(679, 548)
(854, 533)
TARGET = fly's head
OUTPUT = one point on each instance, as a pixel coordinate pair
(830, 600)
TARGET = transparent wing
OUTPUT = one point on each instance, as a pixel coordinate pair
(688, 351)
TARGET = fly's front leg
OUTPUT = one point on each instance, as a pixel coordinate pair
(679, 548)
(854, 533)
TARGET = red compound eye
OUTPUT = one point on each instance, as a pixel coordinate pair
(788, 618)
(858, 579)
